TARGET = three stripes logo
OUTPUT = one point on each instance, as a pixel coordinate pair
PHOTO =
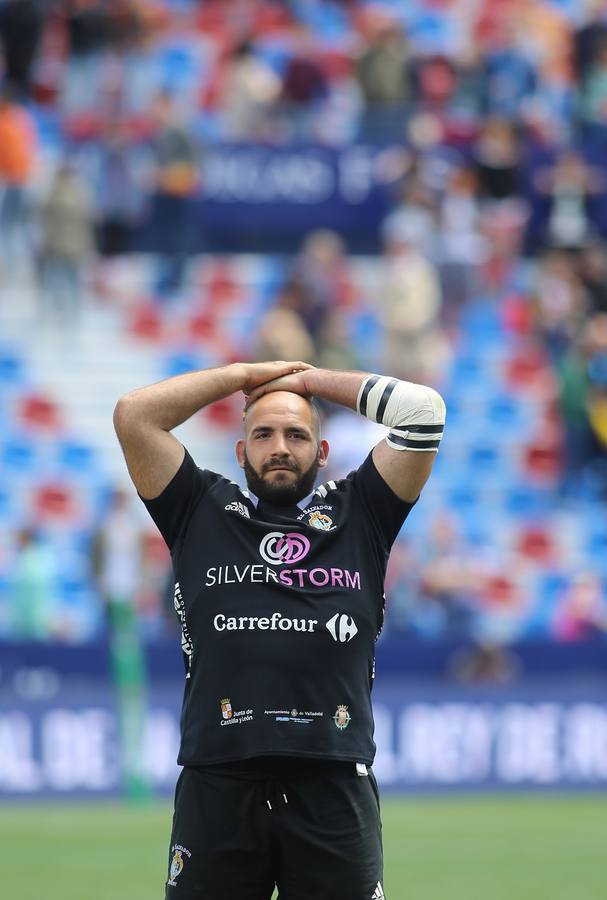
(378, 893)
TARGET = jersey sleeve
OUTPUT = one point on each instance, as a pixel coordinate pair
(386, 511)
(173, 508)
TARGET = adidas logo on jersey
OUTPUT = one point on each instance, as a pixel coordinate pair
(239, 508)
(378, 893)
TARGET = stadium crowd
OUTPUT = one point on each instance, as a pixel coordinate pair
(495, 116)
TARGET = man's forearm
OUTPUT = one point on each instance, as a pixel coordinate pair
(170, 403)
(337, 387)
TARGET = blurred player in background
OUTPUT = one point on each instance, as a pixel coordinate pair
(279, 589)
(117, 555)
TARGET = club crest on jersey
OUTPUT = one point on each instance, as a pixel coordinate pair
(226, 708)
(320, 521)
(177, 863)
(342, 717)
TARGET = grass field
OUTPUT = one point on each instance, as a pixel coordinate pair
(486, 848)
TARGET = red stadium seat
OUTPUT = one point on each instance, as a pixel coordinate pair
(500, 590)
(542, 462)
(536, 543)
(202, 327)
(225, 413)
(146, 322)
(40, 413)
(54, 503)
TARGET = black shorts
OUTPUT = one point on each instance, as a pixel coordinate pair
(313, 830)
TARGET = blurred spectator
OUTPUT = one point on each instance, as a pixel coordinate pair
(335, 348)
(117, 554)
(583, 388)
(304, 87)
(415, 214)
(560, 302)
(177, 178)
(383, 77)
(87, 38)
(282, 335)
(570, 184)
(435, 84)
(582, 611)
(590, 39)
(510, 75)
(33, 612)
(350, 438)
(67, 243)
(117, 564)
(319, 273)
(409, 308)
(119, 190)
(250, 96)
(593, 273)
(21, 24)
(593, 96)
(18, 144)
(463, 248)
(498, 157)
(449, 578)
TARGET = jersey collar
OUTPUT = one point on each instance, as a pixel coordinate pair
(255, 500)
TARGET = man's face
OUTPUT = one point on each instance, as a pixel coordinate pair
(282, 450)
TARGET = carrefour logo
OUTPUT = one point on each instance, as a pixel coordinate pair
(277, 548)
(342, 628)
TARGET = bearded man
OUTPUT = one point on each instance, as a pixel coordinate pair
(279, 591)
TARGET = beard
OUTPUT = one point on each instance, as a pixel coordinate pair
(280, 493)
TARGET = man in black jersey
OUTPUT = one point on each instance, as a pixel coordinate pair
(279, 591)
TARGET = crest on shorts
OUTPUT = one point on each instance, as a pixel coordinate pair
(177, 862)
(226, 708)
(176, 865)
(342, 717)
(320, 521)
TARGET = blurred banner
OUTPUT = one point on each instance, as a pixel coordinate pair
(430, 738)
(253, 196)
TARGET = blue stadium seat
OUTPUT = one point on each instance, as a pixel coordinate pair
(12, 370)
(76, 456)
(181, 362)
(19, 455)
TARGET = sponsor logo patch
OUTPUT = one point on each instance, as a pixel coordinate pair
(378, 893)
(295, 716)
(342, 717)
(342, 628)
(235, 506)
(230, 716)
(278, 549)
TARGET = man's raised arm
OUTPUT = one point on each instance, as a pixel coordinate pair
(414, 413)
(144, 418)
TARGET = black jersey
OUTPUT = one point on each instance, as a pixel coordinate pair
(280, 610)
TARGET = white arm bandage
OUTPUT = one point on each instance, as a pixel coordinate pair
(414, 413)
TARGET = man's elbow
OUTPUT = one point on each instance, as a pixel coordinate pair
(125, 414)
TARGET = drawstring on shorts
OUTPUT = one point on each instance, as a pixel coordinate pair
(274, 796)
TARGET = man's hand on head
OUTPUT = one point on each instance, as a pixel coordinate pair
(295, 382)
(257, 374)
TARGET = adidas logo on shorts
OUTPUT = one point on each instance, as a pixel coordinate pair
(378, 893)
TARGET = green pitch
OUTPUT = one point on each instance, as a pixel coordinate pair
(487, 848)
